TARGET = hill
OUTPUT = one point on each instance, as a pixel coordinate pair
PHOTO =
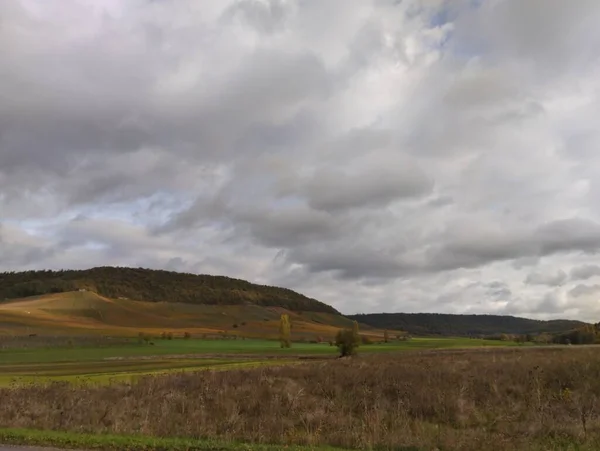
(463, 325)
(157, 286)
(85, 313)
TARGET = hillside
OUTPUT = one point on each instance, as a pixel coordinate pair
(156, 286)
(85, 313)
(462, 325)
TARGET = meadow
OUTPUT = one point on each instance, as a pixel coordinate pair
(525, 398)
(86, 360)
(112, 360)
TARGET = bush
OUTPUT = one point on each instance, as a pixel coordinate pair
(345, 340)
(186, 335)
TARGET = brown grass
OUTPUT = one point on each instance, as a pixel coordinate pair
(502, 399)
(86, 313)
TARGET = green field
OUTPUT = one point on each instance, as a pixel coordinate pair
(129, 361)
(133, 443)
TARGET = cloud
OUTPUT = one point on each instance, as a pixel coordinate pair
(332, 191)
(585, 272)
(584, 290)
(550, 279)
(402, 156)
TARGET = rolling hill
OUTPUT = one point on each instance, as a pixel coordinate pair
(86, 312)
(463, 325)
(157, 286)
(126, 301)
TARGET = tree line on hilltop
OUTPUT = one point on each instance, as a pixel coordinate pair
(156, 286)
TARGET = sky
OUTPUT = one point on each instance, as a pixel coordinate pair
(378, 155)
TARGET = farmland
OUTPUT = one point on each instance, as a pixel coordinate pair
(454, 399)
(78, 369)
(129, 359)
(88, 313)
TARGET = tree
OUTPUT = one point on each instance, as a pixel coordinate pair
(386, 336)
(346, 342)
(355, 333)
(285, 331)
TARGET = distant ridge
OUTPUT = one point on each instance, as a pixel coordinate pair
(463, 325)
(156, 286)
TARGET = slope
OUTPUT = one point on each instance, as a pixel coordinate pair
(84, 313)
(462, 325)
(157, 286)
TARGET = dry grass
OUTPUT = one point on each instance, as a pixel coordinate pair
(85, 313)
(501, 399)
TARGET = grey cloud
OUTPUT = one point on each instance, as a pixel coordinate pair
(265, 17)
(585, 272)
(291, 226)
(332, 191)
(553, 34)
(551, 303)
(350, 262)
(551, 279)
(472, 247)
(21, 249)
(499, 290)
(584, 290)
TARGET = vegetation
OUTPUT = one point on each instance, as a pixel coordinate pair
(114, 442)
(87, 313)
(463, 325)
(502, 399)
(346, 342)
(156, 286)
(58, 342)
(82, 362)
(588, 334)
(285, 331)
(356, 334)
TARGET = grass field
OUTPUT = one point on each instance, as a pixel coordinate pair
(127, 361)
(497, 399)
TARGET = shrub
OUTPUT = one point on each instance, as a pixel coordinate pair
(365, 340)
(186, 335)
(346, 342)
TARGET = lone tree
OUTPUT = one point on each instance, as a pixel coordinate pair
(346, 343)
(355, 333)
(386, 336)
(285, 331)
